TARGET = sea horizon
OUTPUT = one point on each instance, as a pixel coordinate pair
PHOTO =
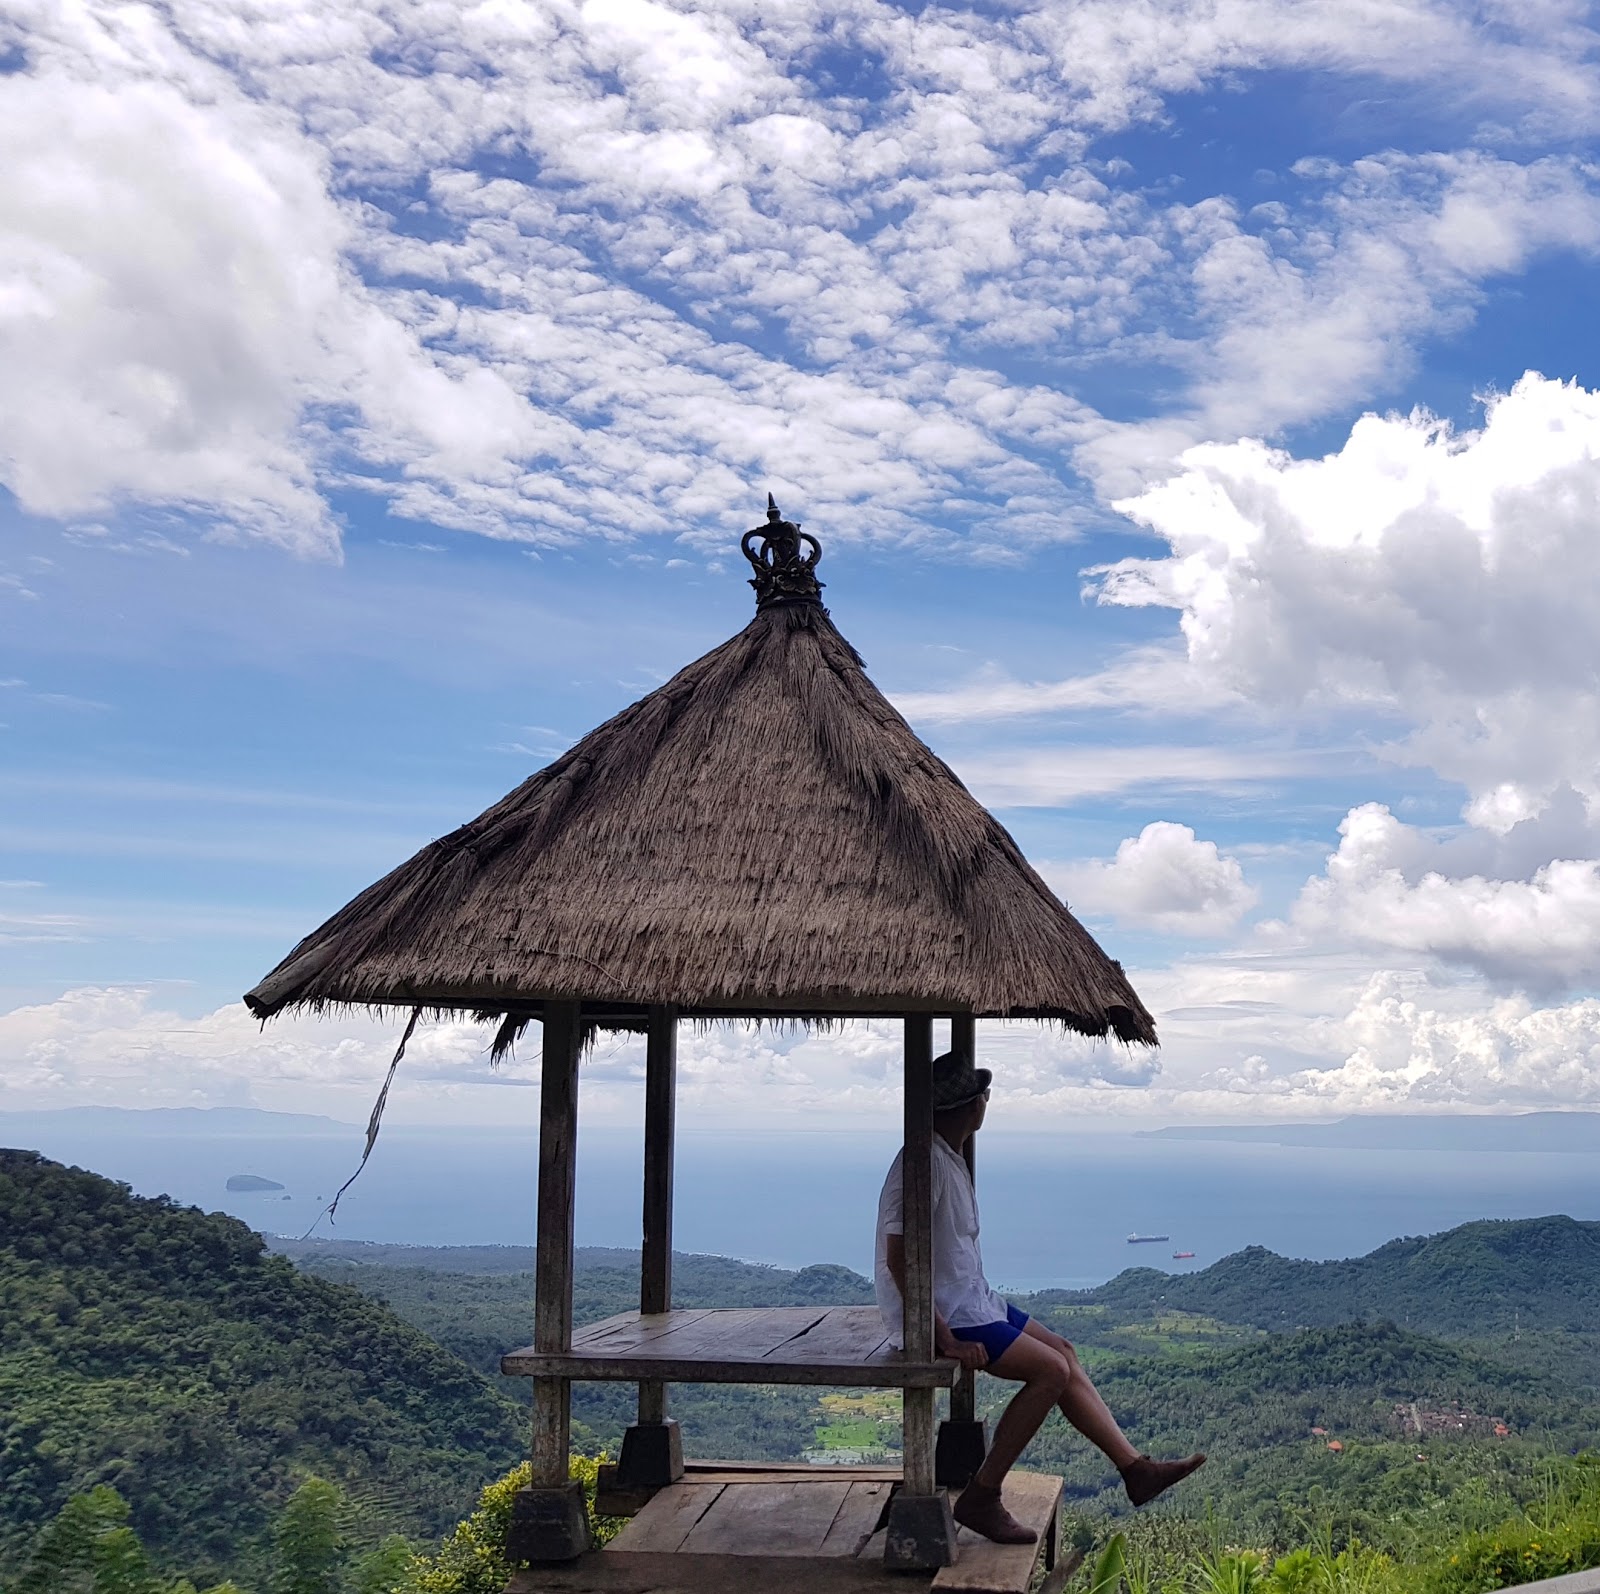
(1057, 1209)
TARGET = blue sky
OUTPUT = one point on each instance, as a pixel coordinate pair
(1196, 406)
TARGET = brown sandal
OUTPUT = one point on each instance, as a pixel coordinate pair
(984, 1512)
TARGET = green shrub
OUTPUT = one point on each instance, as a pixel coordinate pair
(1516, 1552)
(1559, 1534)
(472, 1559)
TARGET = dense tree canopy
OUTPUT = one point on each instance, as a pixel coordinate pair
(164, 1351)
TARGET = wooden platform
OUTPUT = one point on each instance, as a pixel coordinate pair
(840, 1345)
(793, 1531)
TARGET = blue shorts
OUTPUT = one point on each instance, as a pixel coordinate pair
(996, 1338)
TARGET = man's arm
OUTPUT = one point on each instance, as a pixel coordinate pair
(968, 1352)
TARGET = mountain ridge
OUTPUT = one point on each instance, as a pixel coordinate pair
(1491, 1275)
(1529, 1131)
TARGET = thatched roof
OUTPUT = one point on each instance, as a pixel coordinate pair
(762, 836)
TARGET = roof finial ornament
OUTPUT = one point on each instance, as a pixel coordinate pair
(783, 573)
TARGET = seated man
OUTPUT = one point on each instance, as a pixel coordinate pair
(979, 1329)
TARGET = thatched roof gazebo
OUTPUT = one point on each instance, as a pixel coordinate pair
(763, 837)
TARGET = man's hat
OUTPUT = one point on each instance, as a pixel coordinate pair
(956, 1082)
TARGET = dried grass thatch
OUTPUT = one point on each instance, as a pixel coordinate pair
(763, 835)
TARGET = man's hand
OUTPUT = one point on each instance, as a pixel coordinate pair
(968, 1352)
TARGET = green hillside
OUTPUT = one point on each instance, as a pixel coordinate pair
(1350, 1380)
(162, 1350)
(1479, 1279)
(1256, 1408)
(1181, 1378)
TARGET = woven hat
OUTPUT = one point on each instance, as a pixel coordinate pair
(956, 1082)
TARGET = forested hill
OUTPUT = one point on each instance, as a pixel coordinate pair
(1481, 1278)
(164, 1351)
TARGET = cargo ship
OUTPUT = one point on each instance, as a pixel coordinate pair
(1149, 1239)
(1183, 1256)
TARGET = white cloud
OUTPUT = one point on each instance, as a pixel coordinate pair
(1244, 1037)
(1312, 1035)
(1040, 776)
(257, 258)
(1449, 582)
(1163, 879)
(1542, 932)
(1444, 586)
(118, 1046)
(607, 269)
(32, 927)
(1331, 307)
(122, 1046)
(1406, 1051)
(1128, 53)
(1148, 680)
(164, 294)
(173, 282)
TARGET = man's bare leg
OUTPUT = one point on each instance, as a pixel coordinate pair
(1044, 1375)
(1085, 1408)
(1082, 1404)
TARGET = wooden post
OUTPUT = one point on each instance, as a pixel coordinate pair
(963, 1042)
(918, 1194)
(660, 1095)
(652, 1449)
(921, 1532)
(549, 1521)
(963, 1440)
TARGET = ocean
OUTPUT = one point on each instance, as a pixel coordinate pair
(1057, 1209)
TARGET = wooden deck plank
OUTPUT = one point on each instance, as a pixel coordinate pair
(842, 1345)
(885, 1374)
(858, 1517)
(752, 1331)
(743, 1472)
(1066, 1568)
(650, 1572)
(635, 1328)
(845, 1333)
(872, 1550)
(810, 1468)
(669, 1518)
(789, 1518)
(985, 1568)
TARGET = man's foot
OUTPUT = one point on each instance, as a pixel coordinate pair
(984, 1512)
(1144, 1478)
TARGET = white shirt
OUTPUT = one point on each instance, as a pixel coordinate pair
(961, 1294)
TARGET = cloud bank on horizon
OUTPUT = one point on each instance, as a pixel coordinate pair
(1249, 312)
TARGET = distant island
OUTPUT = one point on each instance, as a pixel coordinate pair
(252, 1181)
(1530, 1131)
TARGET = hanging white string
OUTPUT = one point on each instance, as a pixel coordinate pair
(373, 1125)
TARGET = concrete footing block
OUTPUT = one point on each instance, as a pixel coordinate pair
(958, 1452)
(921, 1533)
(652, 1455)
(548, 1523)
